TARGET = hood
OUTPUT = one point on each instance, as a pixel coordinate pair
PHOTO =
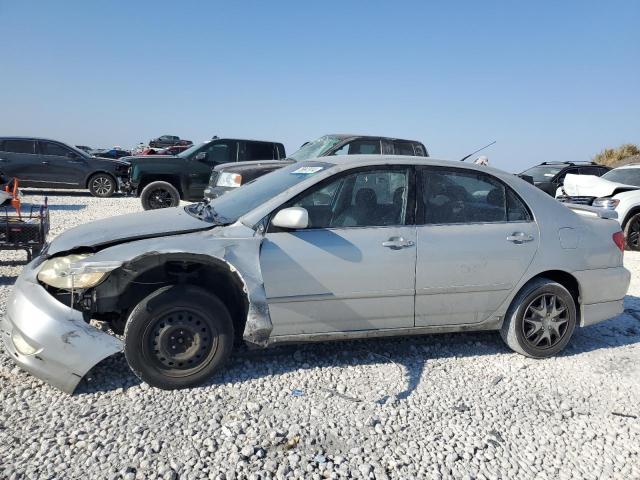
(592, 186)
(253, 163)
(126, 228)
(147, 158)
(112, 161)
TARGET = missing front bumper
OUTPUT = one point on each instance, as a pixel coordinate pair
(65, 347)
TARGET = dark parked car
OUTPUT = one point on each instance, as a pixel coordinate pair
(163, 180)
(227, 176)
(549, 176)
(111, 153)
(39, 162)
(164, 141)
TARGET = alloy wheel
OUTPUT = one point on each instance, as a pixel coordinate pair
(545, 321)
(633, 234)
(160, 199)
(102, 186)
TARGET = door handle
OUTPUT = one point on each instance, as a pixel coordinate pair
(396, 243)
(519, 238)
(45, 162)
(4, 160)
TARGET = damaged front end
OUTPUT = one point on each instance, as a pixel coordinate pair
(47, 327)
(49, 339)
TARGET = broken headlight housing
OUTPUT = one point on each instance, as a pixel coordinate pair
(71, 272)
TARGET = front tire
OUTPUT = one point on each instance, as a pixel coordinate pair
(540, 320)
(632, 233)
(177, 337)
(102, 185)
(159, 195)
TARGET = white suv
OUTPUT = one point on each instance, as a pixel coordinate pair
(618, 189)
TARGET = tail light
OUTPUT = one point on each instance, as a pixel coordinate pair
(618, 239)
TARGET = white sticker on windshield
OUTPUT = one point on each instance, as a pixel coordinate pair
(306, 170)
(549, 174)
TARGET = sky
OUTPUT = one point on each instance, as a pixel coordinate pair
(548, 80)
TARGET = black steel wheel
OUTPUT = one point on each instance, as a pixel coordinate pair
(178, 336)
(102, 185)
(159, 195)
(632, 232)
(541, 319)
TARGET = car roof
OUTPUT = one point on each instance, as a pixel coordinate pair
(17, 137)
(344, 136)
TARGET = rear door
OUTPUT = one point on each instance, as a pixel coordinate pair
(476, 238)
(65, 167)
(20, 159)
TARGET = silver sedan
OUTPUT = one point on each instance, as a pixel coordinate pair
(335, 248)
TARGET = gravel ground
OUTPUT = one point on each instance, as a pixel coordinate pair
(441, 406)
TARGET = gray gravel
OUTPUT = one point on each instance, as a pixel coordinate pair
(441, 406)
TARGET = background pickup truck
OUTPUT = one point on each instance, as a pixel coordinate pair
(164, 141)
(163, 180)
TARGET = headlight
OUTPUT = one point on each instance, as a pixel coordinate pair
(58, 273)
(608, 203)
(229, 180)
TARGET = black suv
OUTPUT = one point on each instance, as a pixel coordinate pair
(43, 163)
(549, 176)
(163, 180)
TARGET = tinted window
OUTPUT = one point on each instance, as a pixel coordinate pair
(259, 151)
(221, 152)
(456, 196)
(19, 146)
(49, 148)
(361, 199)
(403, 148)
(419, 150)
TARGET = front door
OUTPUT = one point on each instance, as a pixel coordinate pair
(217, 152)
(64, 166)
(476, 239)
(353, 268)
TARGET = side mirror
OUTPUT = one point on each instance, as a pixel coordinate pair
(292, 218)
(201, 156)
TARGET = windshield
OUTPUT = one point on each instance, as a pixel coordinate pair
(315, 149)
(543, 173)
(187, 153)
(231, 206)
(628, 176)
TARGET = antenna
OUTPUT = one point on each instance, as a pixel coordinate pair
(479, 150)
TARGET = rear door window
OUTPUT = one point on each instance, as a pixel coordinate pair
(259, 151)
(451, 196)
(20, 146)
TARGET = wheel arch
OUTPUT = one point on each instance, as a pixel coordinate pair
(135, 280)
(96, 172)
(630, 213)
(566, 279)
(165, 177)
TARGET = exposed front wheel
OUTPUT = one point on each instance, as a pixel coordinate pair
(102, 185)
(541, 319)
(178, 337)
(159, 195)
(632, 232)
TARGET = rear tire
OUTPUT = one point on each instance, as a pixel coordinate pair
(632, 233)
(177, 337)
(102, 185)
(159, 195)
(540, 320)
